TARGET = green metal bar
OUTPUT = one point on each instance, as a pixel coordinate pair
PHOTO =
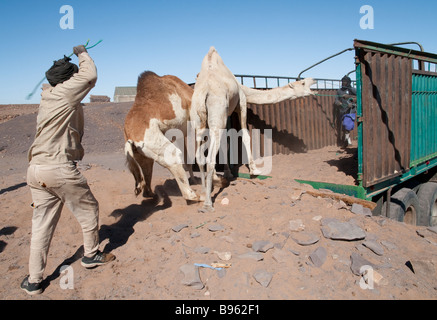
(353, 191)
(248, 176)
(359, 124)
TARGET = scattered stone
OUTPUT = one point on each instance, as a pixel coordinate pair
(340, 205)
(433, 229)
(191, 276)
(257, 256)
(305, 238)
(215, 227)
(337, 230)
(179, 227)
(318, 257)
(224, 202)
(202, 250)
(326, 221)
(317, 218)
(359, 209)
(357, 262)
(297, 225)
(388, 245)
(194, 235)
(374, 246)
(426, 268)
(382, 222)
(296, 253)
(280, 256)
(225, 256)
(263, 277)
(296, 194)
(262, 246)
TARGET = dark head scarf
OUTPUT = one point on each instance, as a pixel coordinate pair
(61, 71)
(346, 82)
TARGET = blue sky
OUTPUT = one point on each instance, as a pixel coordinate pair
(275, 37)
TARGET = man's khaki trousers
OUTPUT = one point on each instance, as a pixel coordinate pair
(52, 186)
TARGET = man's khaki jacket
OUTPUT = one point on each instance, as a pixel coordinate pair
(60, 121)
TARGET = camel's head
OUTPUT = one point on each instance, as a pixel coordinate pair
(302, 88)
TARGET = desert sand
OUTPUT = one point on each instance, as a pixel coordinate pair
(157, 242)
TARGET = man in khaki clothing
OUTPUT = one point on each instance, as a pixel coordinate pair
(52, 175)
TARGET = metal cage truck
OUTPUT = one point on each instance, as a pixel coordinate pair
(396, 130)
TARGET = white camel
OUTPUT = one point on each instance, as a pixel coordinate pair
(217, 94)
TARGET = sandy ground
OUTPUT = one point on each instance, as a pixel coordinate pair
(153, 255)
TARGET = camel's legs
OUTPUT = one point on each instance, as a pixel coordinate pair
(146, 165)
(133, 166)
(214, 146)
(246, 137)
(160, 149)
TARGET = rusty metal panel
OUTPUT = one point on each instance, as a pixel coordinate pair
(386, 90)
(297, 125)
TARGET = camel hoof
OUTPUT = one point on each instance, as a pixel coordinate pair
(255, 172)
(192, 198)
(206, 209)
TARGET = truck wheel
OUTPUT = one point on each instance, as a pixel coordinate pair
(404, 207)
(427, 195)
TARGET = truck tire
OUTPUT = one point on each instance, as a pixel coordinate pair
(404, 207)
(427, 195)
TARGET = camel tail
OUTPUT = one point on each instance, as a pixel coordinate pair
(133, 166)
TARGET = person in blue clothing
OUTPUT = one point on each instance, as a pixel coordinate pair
(345, 102)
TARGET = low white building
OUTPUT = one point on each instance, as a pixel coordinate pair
(125, 94)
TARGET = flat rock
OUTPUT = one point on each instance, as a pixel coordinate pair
(426, 268)
(262, 246)
(374, 246)
(280, 255)
(337, 230)
(191, 276)
(357, 262)
(305, 238)
(257, 256)
(263, 277)
(359, 209)
(179, 227)
(203, 250)
(296, 225)
(433, 229)
(318, 257)
(388, 245)
(215, 227)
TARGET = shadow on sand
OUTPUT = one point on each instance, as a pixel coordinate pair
(119, 232)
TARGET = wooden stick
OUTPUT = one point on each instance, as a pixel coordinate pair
(347, 199)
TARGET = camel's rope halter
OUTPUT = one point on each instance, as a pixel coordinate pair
(42, 80)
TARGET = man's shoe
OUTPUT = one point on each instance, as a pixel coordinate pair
(99, 259)
(31, 288)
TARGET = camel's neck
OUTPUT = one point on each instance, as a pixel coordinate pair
(269, 96)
